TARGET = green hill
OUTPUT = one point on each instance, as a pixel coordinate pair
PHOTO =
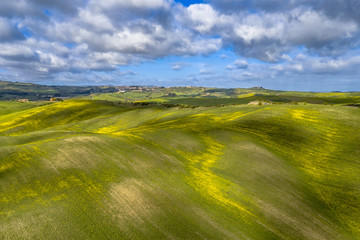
(186, 96)
(93, 169)
(34, 92)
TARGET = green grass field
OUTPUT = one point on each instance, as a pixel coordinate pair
(95, 169)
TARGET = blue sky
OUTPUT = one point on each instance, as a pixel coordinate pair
(278, 44)
(188, 3)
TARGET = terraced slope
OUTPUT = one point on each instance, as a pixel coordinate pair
(83, 169)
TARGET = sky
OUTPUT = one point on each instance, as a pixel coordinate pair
(306, 45)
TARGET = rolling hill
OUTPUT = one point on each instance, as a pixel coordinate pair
(185, 96)
(20, 90)
(96, 169)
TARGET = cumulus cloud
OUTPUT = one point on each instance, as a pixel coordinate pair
(178, 66)
(9, 31)
(120, 11)
(303, 64)
(48, 38)
(316, 30)
(348, 9)
(238, 64)
(204, 71)
(67, 7)
(140, 4)
(18, 8)
(267, 35)
(200, 17)
(13, 52)
(90, 36)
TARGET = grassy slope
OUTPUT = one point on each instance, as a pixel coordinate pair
(7, 107)
(83, 169)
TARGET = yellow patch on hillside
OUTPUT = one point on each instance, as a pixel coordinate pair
(23, 157)
(228, 117)
(304, 115)
(109, 129)
(246, 95)
(16, 120)
(127, 133)
(320, 164)
(206, 182)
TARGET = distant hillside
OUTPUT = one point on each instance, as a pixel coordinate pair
(17, 90)
(185, 96)
(200, 96)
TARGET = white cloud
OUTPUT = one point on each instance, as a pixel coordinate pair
(329, 65)
(177, 66)
(241, 63)
(15, 52)
(140, 37)
(9, 31)
(84, 36)
(111, 4)
(201, 17)
(315, 29)
(238, 64)
(303, 64)
(204, 19)
(268, 35)
(205, 71)
(95, 20)
(253, 28)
